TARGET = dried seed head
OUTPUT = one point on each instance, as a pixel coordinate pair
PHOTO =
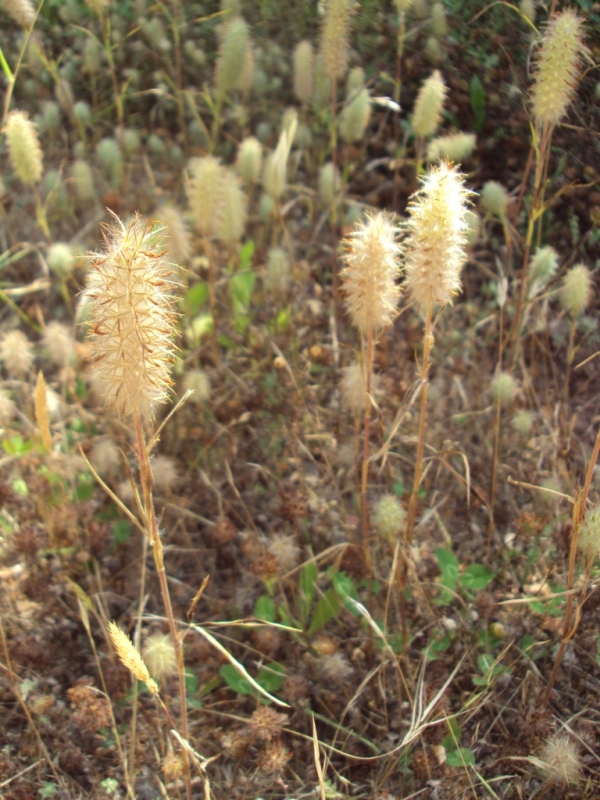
(59, 343)
(22, 11)
(130, 657)
(433, 50)
(330, 183)
(83, 180)
(353, 386)
(389, 517)
(372, 266)
(455, 148)
(249, 160)
(559, 758)
(558, 67)
(159, 655)
(246, 78)
(109, 156)
(522, 421)
(528, 9)
(355, 116)
(175, 233)
(355, 82)
(275, 172)
(542, 269)
(233, 42)
(334, 37)
(132, 321)
(277, 279)
(429, 105)
(7, 408)
(495, 199)
(16, 353)
(266, 723)
(231, 221)
(105, 457)
(204, 186)
(439, 25)
(61, 259)
(285, 550)
(504, 388)
(164, 472)
(23, 147)
(336, 667)
(304, 71)
(435, 248)
(589, 533)
(198, 382)
(576, 290)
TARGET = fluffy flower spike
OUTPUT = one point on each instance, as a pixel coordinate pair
(435, 248)
(372, 266)
(558, 67)
(132, 321)
(23, 147)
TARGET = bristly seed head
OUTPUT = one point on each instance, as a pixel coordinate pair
(372, 266)
(558, 67)
(435, 248)
(132, 322)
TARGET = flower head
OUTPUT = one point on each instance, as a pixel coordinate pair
(429, 105)
(435, 249)
(23, 147)
(558, 67)
(372, 266)
(132, 320)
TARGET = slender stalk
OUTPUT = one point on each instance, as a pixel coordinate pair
(151, 526)
(212, 294)
(365, 458)
(397, 90)
(427, 345)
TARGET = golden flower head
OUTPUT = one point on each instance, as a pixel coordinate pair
(558, 67)
(132, 321)
(130, 656)
(372, 266)
(435, 248)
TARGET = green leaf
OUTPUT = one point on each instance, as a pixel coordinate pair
(20, 487)
(448, 564)
(461, 757)
(234, 680)
(265, 608)
(48, 790)
(246, 254)
(195, 298)
(242, 285)
(476, 577)
(121, 531)
(345, 587)
(327, 608)
(478, 103)
(271, 678)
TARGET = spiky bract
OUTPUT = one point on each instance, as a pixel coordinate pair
(23, 147)
(558, 67)
(435, 249)
(372, 266)
(132, 323)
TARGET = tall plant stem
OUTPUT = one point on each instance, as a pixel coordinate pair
(427, 345)
(178, 80)
(365, 459)
(212, 294)
(151, 527)
(397, 90)
(334, 199)
(578, 514)
(534, 215)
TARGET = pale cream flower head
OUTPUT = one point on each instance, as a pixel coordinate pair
(435, 247)
(372, 267)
